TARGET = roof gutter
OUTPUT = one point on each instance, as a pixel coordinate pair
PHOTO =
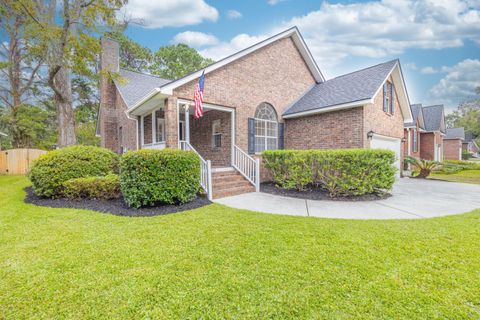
(348, 105)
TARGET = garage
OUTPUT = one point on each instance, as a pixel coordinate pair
(388, 143)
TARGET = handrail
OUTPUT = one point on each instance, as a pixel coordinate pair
(205, 169)
(247, 166)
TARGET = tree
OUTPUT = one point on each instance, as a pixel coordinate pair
(66, 34)
(133, 56)
(176, 61)
(19, 70)
(467, 116)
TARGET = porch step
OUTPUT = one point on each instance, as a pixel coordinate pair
(229, 183)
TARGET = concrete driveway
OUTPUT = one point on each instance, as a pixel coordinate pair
(411, 199)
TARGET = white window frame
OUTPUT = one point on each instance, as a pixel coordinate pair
(415, 140)
(160, 121)
(266, 136)
(215, 124)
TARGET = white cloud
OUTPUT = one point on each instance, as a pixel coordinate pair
(458, 84)
(375, 29)
(274, 2)
(195, 39)
(224, 49)
(428, 70)
(234, 14)
(154, 14)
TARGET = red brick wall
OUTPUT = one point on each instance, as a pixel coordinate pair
(331, 130)
(380, 122)
(452, 149)
(201, 137)
(276, 74)
(427, 144)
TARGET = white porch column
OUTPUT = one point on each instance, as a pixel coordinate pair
(187, 123)
(409, 143)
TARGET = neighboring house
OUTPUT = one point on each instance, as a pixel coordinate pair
(470, 146)
(271, 95)
(452, 143)
(431, 138)
(412, 132)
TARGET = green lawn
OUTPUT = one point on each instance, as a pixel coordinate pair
(218, 262)
(465, 176)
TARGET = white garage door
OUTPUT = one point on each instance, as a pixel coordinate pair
(394, 144)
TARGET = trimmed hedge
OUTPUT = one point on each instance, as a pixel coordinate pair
(168, 176)
(100, 187)
(348, 172)
(51, 170)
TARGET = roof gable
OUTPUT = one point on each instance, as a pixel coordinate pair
(350, 90)
(293, 32)
(434, 117)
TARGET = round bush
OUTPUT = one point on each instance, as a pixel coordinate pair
(51, 170)
(149, 177)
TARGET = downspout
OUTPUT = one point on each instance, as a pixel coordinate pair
(136, 127)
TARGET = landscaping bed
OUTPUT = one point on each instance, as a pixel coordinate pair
(315, 193)
(116, 207)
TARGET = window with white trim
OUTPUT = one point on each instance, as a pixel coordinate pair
(415, 140)
(160, 130)
(216, 134)
(266, 128)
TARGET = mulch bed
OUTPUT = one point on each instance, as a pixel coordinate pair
(116, 207)
(315, 193)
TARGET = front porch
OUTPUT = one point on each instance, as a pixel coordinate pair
(169, 123)
(212, 136)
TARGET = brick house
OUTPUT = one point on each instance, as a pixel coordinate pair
(470, 146)
(452, 143)
(425, 137)
(271, 95)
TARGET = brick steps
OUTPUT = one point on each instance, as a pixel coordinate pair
(229, 183)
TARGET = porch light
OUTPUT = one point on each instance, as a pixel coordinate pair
(370, 134)
(403, 140)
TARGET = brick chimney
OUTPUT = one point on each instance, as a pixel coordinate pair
(108, 126)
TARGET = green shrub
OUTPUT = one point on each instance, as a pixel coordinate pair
(99, 187)
(455, 166)
(148, 177)
(51, 170)
(341, 172)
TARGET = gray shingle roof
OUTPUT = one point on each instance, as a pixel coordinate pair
(469, 137)
(351, 87)
(455, 133)
(134, 85)
(433, 117)
(416, 112)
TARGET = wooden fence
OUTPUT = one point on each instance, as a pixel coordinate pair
(18, 161)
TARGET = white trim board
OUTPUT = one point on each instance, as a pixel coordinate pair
(349, 105)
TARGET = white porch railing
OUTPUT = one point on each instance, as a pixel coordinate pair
(205, 169)
(247, 166)
(156, 145)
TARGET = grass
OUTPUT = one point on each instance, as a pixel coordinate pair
(217, 262)
(465, 176)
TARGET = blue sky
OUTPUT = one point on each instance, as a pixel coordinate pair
(437, 41)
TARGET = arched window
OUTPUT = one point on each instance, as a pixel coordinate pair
(266, 128)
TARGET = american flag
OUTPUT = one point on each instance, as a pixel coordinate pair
(198, 97)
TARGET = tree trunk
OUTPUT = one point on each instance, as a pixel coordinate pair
(64, 105)
(423, 173)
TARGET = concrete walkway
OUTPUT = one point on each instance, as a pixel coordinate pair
(411, 199)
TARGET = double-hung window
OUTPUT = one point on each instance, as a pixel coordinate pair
(266, 128)
(415, 140)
